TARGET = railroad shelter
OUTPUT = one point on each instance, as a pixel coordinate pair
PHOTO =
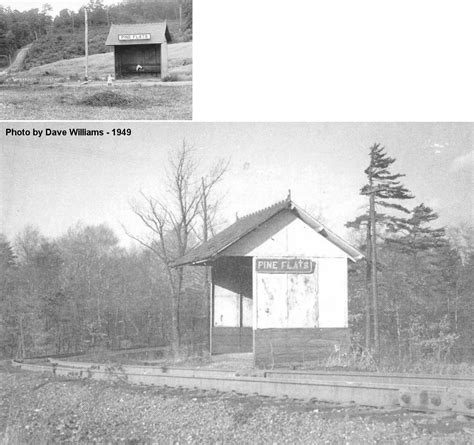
(140, 49)
(279, 286)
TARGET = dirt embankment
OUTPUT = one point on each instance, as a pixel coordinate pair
(18, 63)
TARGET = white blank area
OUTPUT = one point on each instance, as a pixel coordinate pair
(333, 293)
(275, 60)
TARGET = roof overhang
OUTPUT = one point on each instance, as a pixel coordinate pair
(138, 34)
(211, 254)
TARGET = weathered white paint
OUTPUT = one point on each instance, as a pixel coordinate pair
(299, 300)
(333, 293)
(287, 300)
(286, 235)
(226, 307)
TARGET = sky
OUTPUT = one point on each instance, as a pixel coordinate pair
(57, 5)
(54, 182)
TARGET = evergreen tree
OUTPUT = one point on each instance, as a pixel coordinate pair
(382, 189)
(7, 256)
(417, 235)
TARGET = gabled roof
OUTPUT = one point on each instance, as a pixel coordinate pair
(158, 33)
(209, 250)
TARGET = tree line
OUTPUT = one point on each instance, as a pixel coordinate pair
(81, 290)
(409, 299)
(19, 28)
(412, 296)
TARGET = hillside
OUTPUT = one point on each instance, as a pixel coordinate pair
(100, 65)
(66, 45)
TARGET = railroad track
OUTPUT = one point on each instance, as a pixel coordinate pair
(415, 392)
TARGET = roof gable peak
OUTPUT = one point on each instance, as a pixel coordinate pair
(243, 226)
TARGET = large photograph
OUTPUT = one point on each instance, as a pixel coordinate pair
(237, 283)
(98, 60)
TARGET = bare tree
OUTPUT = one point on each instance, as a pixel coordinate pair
(174, 218)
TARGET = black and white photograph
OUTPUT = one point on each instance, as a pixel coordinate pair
(272, 245)
(236, 283)
(96, 59)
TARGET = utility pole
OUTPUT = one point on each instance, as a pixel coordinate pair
(86, 44)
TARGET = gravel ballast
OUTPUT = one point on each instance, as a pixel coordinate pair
(36, 408)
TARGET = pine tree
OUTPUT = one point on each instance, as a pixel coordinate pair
(417, 235)
(382, 188)
(422, 244)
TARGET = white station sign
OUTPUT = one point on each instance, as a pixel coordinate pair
(128, 37)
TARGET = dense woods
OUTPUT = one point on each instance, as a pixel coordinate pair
(411, 299)
(82, 290)
(20, 28)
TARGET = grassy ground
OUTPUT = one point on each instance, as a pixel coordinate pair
(54, 91)
(157, 102)
(100, 65)
(64, 45)
(38, 409)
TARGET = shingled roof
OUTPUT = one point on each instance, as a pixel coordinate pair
(158, 32)
(209, 250)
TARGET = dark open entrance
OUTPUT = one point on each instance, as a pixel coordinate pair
(129, 57)
(232, 301)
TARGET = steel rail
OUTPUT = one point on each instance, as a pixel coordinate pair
(437, 381)
(389, 378)
(438, 397)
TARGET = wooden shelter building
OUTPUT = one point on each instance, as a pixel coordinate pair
(279, 286)
(140, 49)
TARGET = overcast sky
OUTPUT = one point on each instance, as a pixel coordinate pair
(57, 5)
(55, 182)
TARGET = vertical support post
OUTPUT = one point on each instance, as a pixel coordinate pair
(254, 307)
(211, 307)
(241, 319)
(86, 42)
(115, 63)
(164, 60)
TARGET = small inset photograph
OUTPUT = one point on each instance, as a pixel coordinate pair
(98, 60)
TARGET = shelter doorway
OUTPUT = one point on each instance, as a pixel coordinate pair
(147, 57)
(232, 302)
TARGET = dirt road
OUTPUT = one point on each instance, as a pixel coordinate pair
(17, 64)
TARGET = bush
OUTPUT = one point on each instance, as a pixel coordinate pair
(170, 78)
(112, 99)
(53, 47)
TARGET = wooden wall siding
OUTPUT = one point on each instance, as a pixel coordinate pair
(280, 346)
(226, 340)
(128, 57)
(287, 300)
